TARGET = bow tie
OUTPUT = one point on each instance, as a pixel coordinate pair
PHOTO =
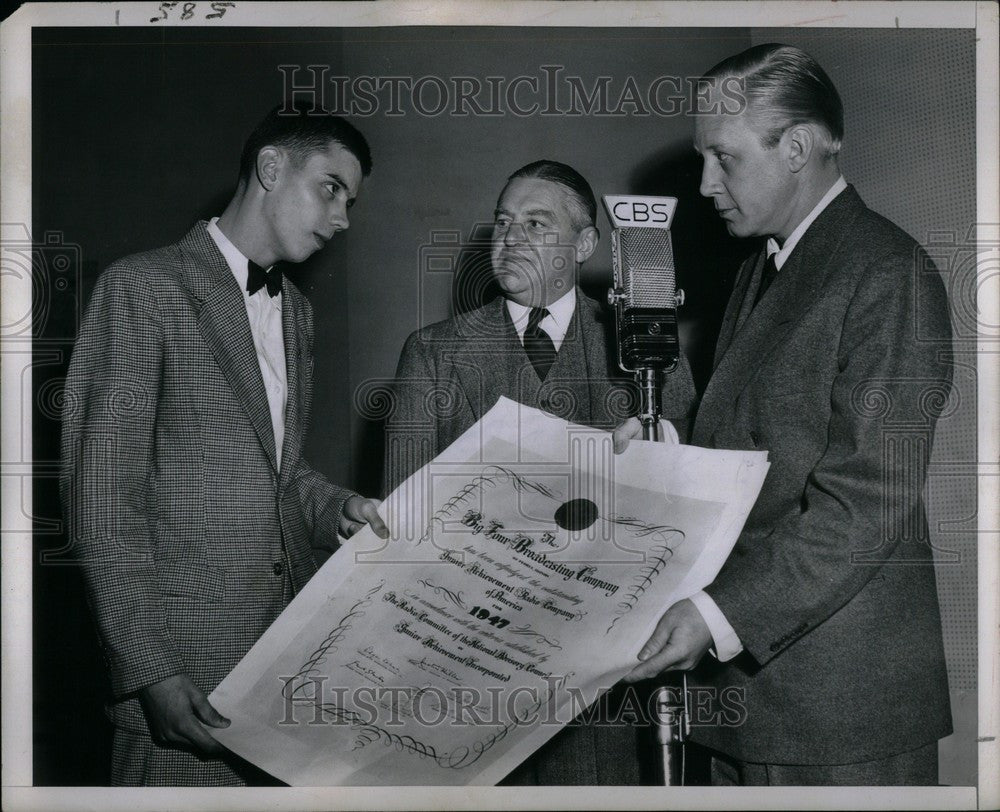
(257, 278)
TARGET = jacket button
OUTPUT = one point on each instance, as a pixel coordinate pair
(278, 568)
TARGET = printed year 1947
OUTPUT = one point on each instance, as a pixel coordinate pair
(493, 620)
(187, 10)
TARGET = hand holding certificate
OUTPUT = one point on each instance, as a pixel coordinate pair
(526, 567)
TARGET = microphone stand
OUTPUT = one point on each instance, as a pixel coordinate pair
(673, 723)
(672, 718)
(650, 382)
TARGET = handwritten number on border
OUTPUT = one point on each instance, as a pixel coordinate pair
(188, 9)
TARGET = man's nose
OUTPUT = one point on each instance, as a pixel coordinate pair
(515, 234)
(709, 180)
(339, 219)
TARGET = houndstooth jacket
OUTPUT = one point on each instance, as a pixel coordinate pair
(190, 540)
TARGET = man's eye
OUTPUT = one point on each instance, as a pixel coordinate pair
(501, 224)
(331, 189)
(536, 224)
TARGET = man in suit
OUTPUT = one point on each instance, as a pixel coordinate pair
(541, 343)
(824, 620)
(193, 512)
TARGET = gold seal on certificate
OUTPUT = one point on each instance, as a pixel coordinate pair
(527, 564)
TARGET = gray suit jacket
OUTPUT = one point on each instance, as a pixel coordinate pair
(190, 540)
(450, 374)
(837, 373)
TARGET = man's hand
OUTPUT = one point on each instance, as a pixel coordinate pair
(679, 642)
(177, 711)
(628, 430)
(358, 512)
(632, 428)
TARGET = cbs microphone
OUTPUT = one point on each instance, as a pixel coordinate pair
(645, 297)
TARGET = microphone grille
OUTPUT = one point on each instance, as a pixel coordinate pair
(647, 267)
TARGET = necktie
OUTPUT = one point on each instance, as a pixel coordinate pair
(257, 278)
(537, 343)
(766, 278)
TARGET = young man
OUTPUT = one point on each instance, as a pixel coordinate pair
(193, 512)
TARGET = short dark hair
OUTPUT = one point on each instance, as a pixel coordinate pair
(583, 210)
(787, 83)
(303, 129)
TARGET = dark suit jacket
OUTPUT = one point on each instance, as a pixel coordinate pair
(190, 540)
(831, 585)
(453, 372)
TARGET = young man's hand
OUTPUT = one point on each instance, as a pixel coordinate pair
(358, 512)
(177, 712)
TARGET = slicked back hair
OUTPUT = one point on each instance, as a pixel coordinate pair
(785, 86)
(582, 205)
(303, 130)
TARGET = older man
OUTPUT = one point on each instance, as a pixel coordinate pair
(194, 514)
(825, 618)
(544, 344)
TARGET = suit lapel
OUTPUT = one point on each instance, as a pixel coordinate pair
(758, 330)
(298, 391)
(566, 382)
(588, 327)
(489, 357)
(732, 320)
(223, 323)
(294, 346)
(490, 360)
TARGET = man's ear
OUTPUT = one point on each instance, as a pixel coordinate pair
(586, 243)
(799, 143)
(269, 163)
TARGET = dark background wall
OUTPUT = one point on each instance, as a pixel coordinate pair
(137, 133)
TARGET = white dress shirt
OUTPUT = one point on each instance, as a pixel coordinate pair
(727, 642)
(555, 324)
(264, 313)
(781, 252)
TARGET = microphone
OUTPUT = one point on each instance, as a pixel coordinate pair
(645, 296)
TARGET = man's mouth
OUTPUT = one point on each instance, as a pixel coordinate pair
(513, 260)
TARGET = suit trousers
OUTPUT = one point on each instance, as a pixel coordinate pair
(914, 768)
(609, 744)
(137, 760)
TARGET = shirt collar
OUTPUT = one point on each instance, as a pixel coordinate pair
(234, 258)
(560, 313)
(782, 252)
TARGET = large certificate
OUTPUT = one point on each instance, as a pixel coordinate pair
(526, 566)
